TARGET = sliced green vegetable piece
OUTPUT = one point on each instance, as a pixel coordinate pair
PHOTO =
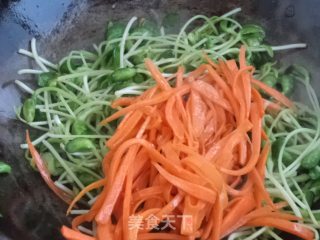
(123, 74)
(309, 197)
(311, 160)
(139, 78)
(47, 79)
(252, 34)
(114, 30)
(79, 145)
(287, 84)
(275, 150)
(116, 58)
(4, 168)
(315, 173)
(80, 128)
(87, 178)
(120, 85)
(113, 58)
(29, 109)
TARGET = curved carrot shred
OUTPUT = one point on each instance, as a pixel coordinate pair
(45, 172)
(202, 193)
(196, 150)
(242, 207)
(126, 203)
(106, 210)
(161, 236)
(70, 234)
(294, 228)
(256, 144)
(120, 102)
(272, 92)
(156, 100)
(157, 75)
(87, 189)
(242, 56)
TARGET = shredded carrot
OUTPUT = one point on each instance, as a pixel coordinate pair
(294, 228)
(194, 152)
(74, 235)
(45, 172)
(89, 188)
(272, 92)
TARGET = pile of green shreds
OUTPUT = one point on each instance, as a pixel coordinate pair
(74, 95)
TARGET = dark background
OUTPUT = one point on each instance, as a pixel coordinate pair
(30, 211)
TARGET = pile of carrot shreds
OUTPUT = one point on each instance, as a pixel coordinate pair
(191, 147)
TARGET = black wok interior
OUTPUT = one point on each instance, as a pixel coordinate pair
(29, 209)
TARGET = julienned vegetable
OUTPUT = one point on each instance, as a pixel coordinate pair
(45, 173)
(199, 151)
(76, 94)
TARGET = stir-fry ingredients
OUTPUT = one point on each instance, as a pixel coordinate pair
(196, 150)
(74, 95)
(198, 123)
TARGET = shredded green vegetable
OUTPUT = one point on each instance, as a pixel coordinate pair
(74, 95)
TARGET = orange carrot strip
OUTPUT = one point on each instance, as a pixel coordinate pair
(260, 188)
(217, 218)
(207, 91)
(156, 100)
(87, 189)
(242, 56)
(124, 101)
(261, 165)
(283, 225)
(172, 118)
(240, 209)
(126, 211)
(127, 131)
(198, 113)
(256, 141)
(272, 92)
(258, 100)
(70, 234)
(45, 172)
(208, 59)
(147, 192)
(105, 232)
(179, 77)
(156, 74)
(194, 190)
(241, 192)
(161, 236)
(106, 210)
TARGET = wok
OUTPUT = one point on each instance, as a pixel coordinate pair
(29, 209)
